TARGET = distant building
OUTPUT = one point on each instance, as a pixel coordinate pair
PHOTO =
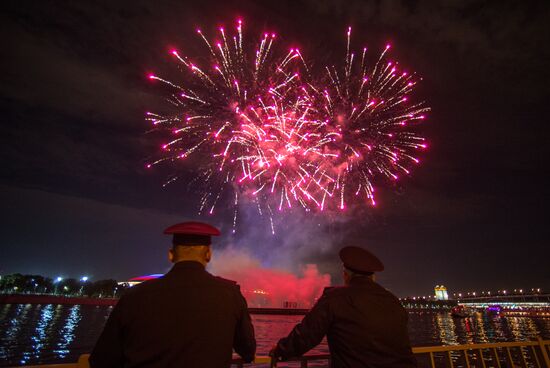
(140, 279)
(441, 292)
(290, 305)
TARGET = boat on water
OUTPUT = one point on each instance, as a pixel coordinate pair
(495, 311)
(461, 311)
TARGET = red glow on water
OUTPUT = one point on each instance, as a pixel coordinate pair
(270, 287)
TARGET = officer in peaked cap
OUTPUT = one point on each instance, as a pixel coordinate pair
(365, 324)
(187, 318)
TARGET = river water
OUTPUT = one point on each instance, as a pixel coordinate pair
(34, 334)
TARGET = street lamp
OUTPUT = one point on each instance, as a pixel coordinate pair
(57, 280)
(83, 279)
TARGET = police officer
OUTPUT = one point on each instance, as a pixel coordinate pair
(187, 318)
(365, 324)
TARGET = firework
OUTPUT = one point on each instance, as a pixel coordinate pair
(211, 108)
(371, 122)
(285, 149)
(256, 128)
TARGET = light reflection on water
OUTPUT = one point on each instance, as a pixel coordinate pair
(67, 332)
(32, 334)
(39, 338)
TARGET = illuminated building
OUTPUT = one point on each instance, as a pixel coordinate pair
(441, 292)
(140, 279)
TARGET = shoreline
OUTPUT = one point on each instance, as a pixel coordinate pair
(54, 299)
(71, 300)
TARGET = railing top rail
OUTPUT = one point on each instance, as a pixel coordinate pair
(83, 360)
(434, 349)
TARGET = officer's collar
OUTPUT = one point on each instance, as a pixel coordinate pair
(188, 265)
(361, 280)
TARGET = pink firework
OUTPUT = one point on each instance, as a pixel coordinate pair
(206, 118)
(254, 127)
(284, 151)
(368, 113)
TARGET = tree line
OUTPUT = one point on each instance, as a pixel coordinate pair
(41, 285)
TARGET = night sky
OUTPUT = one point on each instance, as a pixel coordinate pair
(77, 200)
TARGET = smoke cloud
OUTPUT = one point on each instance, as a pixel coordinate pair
(270, 287)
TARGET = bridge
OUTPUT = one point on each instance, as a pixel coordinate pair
(427, 304)
(515, 301)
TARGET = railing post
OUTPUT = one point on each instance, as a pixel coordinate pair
(450, 360)
(535, 356)
(466, 360)
(481, 359)
(432, 360)
(509, 357)
(83, 361)
(496, 357)
(543, 351)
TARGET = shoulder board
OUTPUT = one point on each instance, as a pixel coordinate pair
(226, 281)
(330, 290)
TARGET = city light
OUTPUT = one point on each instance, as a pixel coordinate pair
(58, 279)
(84, 278)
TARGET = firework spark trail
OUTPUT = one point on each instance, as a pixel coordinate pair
(371, 124)
(210, 119)
(284, 152)
(256, 127)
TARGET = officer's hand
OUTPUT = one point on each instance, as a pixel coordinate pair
(273, 353)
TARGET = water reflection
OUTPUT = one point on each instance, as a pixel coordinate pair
(40, 336)
(34, 334)
(4, 312)
(519, 326)
(480, 335)
(446, 327)
(11, 324)
(67, 331)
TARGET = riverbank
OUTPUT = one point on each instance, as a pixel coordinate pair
(54, 299)
(57, 299)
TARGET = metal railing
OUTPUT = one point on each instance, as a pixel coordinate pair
(525, 354)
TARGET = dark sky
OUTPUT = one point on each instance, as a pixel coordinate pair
(76, 199)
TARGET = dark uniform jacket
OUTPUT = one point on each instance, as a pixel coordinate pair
(365, 325)
(188, 318)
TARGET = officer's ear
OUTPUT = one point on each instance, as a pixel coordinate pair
(171, 255)
(208, 254)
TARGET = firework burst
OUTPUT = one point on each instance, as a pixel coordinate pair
(211, 107)
(371, 122)
(284, 151)
(257, 129)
